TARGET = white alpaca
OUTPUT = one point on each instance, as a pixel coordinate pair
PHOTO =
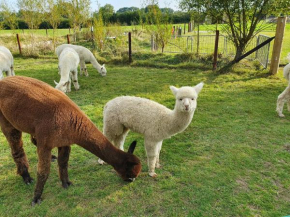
(85, 56)
(154, 121)
(285, 95)
(68, 69)
(6, 62)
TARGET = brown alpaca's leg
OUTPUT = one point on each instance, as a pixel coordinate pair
(34, 142)
(43, 168)
(63, 157)
(14, 138)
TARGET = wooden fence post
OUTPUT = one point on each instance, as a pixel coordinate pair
(277, 47)
(19, 45)
(67, 36)
(130, 48)
(216, 46)
(184, 29)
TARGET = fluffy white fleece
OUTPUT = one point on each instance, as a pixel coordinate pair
(6, 62)
(85, 56)
(154, 121)
(68, 70)
(285, 95)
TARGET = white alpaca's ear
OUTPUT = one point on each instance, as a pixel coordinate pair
(55, 83)
(104, 65)
(174, 90)
(198, 87)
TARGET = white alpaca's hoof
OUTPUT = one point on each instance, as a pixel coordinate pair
(281, 115)
(153, 175)
(158, 165)
(101, 162)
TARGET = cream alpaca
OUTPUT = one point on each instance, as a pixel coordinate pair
(285, 95)
(68, 69)
(85, 56)
(154, 121)
(6, 62)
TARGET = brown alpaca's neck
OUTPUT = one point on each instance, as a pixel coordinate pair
(96, 143)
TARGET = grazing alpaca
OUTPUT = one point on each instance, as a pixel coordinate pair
(68, 70)
(53, 120)
(154, 121)
(285, 95)
(6, 62)
(85, 56)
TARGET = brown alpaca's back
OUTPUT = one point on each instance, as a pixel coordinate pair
(34, 107)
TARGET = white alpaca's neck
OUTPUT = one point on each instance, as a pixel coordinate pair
(95, 63)
(180, 120)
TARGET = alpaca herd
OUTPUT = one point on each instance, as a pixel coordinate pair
(54, 121)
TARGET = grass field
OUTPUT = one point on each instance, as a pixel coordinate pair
(232, 160)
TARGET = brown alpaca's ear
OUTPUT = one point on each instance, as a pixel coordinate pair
(132, 147)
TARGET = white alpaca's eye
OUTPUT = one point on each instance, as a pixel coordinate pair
(192, 98)
(180, 99)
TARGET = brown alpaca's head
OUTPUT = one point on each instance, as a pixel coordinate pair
(131, 166)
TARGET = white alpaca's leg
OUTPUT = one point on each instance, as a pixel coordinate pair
(282, 98)
(159, 146)
(116, 133)
(12, 71)
(152, 152)
(288, 105)
(9, 73)
(119, 140)
(68, 86)
(75, 79)
(83, 68)
(1, 75)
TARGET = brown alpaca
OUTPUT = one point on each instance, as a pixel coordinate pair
(53, 120)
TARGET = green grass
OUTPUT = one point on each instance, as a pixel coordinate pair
(232, 160)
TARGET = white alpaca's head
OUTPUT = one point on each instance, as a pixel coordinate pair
(186, 97)
(61, 86)
(103, 70)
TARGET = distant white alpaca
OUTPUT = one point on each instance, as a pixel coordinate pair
(85, 56)
(285, 95)
(6, 62)
(154, 121)
(68, 69)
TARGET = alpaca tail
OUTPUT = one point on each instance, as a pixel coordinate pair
(286, 70)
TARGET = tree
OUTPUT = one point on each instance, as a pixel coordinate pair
(244, 18)
(198, 12)
(126, 9)
(99, 30)
(54, 15)
(32, 12)
(107, 12)
(78, 12)
(9, 15)
(158, 24)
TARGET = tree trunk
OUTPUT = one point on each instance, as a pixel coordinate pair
(239, 51)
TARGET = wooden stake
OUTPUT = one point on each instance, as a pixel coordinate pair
(277, 47)
(67, 36)
(19, 45)
(216, 45)
(130, 48)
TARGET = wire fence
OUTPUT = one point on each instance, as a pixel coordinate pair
(142, 42)
(205, 45)
(262, 55)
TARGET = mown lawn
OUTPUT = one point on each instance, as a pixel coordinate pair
(232, 160)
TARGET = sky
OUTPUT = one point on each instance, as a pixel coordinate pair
(117, 4)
